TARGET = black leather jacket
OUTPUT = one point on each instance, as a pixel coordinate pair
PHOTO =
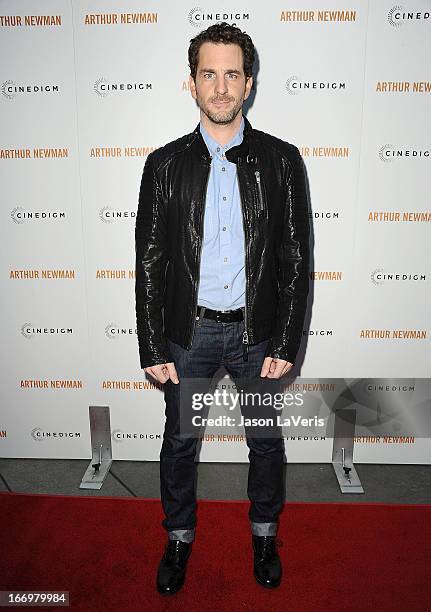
(169, 232)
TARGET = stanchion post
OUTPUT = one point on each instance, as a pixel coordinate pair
(342, 451)
(100, 431)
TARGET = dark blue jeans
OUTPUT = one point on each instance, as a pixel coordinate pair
(216, 344)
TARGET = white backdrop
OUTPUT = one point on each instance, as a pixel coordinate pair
(88, 89)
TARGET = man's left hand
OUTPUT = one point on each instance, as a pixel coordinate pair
(275, 368)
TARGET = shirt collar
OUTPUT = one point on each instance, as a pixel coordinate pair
(213, 145)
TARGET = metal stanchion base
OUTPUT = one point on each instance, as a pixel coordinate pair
(93, 479)
(350, 484)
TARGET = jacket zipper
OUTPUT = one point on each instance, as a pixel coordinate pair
(290, 195)
(259, 189)
(245, 338)
(200, 251)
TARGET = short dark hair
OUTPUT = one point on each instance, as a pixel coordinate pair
(227, 34)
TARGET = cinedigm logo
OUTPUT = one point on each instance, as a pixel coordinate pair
(26, 330)
(392, 16)
(4, 89)
(14, 214)
(117, 435)
(375, 274)
(199, 18)
(104, 214)
(290, 85)
(100, 87)
(398, 15)
(110, 331)
(386, 153)
(35, 434)
(192, 16)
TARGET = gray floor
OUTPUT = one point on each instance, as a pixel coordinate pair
(306, 482)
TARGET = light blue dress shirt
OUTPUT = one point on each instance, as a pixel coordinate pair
(222, 270)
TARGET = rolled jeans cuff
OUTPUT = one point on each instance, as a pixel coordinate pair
(264, 529)
(185, 535)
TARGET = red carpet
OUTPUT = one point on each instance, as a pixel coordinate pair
(104, 551)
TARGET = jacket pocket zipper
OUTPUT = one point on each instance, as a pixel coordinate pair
(259, 190)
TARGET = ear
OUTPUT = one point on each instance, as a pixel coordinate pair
(192, 86)
(248, 86)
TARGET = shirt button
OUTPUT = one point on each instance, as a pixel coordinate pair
(218, 149)
(224, 198)
(225, 259)
(226, 286)
(223, 169)
(224, 228)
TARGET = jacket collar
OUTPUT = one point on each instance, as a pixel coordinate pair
(243, 150)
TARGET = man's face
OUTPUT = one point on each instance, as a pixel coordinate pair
(220, 87)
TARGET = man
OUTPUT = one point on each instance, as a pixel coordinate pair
(222, 262)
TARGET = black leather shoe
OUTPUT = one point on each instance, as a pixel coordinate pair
(267, 564)
(171, 572)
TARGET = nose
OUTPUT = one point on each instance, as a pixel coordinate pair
(220, 85)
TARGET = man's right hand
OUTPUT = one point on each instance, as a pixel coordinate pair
(163, 372)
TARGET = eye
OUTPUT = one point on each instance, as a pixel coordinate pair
(232, 75)
(207, 74)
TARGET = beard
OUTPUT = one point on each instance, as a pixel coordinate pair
(220, 116)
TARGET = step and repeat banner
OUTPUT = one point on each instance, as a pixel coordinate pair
(89, 89)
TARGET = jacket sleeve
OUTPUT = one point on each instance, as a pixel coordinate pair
(151, 260)
(293, 266)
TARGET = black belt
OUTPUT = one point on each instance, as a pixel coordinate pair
(221, 316)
